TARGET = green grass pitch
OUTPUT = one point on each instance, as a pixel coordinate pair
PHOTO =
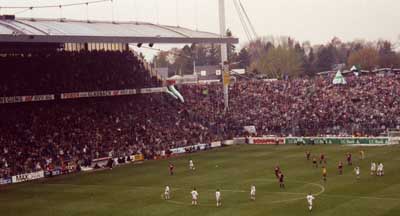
(136, 189)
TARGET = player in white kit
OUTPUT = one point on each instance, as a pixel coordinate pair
(310, 199)
(253, 192)
(191, 165)
(380, 171)
(357, 171)
(218, 197)
(195, 196)
(167, 193)
(373, 168)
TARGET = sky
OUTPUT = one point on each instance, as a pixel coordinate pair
(316, 21)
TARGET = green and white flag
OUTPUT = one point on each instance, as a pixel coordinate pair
(339, 79)
(355, 70)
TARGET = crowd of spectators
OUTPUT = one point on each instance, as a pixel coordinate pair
(367, 105)
(63, 72)
(42, 135)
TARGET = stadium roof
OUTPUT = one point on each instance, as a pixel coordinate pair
(78, 31)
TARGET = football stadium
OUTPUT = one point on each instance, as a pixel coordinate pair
(116, 116)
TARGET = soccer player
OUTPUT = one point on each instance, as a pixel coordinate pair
(171, 168)
(373, 168)
(277, 171)
(253, 192)
(195, 196)
(191, 165)
(314, 161)
(340, 168)
(322, 158)
(167, 193)
(310, 199)
(380, 170)
(324, 173)
(357, 171)
(308, 155)
(362, 154)
(218, 197)
(349, 160)
(281, 180)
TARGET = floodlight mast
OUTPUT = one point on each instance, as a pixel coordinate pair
(224, 54)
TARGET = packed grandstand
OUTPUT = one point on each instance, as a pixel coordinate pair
(123, 116)
(51, 134)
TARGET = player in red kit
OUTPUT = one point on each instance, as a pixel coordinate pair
(281, 180)
(349, 161)
(171, 169)
(322, 158)
(308, 155)
(277, 171)
(340, 167)
(314, 161)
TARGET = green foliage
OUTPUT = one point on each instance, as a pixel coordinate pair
(387, 55)
(276, 56)
(366, 58)
(243, 58)
(325, 58)
(278, 62)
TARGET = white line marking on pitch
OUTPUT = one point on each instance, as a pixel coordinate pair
(300, 198)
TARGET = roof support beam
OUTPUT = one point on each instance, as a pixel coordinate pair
(108, 39)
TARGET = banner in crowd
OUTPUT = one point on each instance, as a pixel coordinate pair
(152, 90)
(338, 140)
(24, 99)
(216, 144)
(27, 177)
(53, 172)
(4, 181)
(138, 157)
(182, 150)
(86, 169)
(235, 141)
(101, 162)
(250, 129)
(109, 93)
(75, 95)
(267, 140)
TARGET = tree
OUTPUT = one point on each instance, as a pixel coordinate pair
(232, 55)
(387, 57)
(309, 68)
(278, 62)
(367, 58)
(243, 58)
(213, 55)
(325, 58)
(184, 60)
(200, 54)
(259, 46)
(161, 60)
(302, 54)
(340, 50)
